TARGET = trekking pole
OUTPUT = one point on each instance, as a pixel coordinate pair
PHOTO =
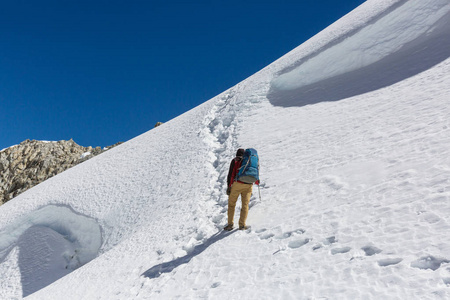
(259, 191)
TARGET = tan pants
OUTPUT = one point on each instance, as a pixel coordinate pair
(245, 190)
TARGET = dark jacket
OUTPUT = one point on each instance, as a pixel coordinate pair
(234, 167)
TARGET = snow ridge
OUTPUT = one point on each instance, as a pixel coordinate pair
(388, 49)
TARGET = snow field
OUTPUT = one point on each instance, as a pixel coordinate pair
(348, 214)
(371, 173)
(147, 217)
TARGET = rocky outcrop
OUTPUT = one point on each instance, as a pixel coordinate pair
(31, 162)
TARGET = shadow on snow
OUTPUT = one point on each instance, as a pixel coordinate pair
(167, 267)
(413, 58)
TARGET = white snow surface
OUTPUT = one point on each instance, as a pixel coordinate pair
(354, 195)
(370, 44)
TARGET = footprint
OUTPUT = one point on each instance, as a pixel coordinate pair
(298, 243)
(200, 236)
(283, 236)
(429, 262)
(279, 236)
(330, 240)
(218, 219)
(288, 234)
(340, 250)
(266, 236)
(389, 261)
(371, 250)
(316, 247)
(431, 218)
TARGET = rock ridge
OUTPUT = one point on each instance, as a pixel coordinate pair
(31, 162)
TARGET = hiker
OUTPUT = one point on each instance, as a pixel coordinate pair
(237, 187)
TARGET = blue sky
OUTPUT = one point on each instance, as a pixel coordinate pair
(106, 71)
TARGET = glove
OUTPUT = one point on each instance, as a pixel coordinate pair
(229, 190)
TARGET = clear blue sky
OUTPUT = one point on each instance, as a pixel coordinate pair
(106, 71)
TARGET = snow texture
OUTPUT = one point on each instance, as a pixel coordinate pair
(354, 194)
(404, 40)
(61, 241)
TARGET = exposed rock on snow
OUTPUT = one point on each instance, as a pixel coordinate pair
(31, 162)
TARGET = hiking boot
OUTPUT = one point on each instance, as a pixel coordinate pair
(229, 227)
(244, 227)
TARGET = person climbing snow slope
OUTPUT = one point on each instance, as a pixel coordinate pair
(241, 183)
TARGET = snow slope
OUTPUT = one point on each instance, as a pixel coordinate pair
(355, 192)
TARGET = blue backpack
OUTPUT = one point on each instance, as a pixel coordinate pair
(249, 170)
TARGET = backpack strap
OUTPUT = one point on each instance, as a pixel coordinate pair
(244, 167)
(236, 167)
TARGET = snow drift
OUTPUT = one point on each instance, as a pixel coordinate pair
(52, 242)
(402, 41)
(355, 193)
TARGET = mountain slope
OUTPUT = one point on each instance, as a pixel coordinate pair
(354, 195)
